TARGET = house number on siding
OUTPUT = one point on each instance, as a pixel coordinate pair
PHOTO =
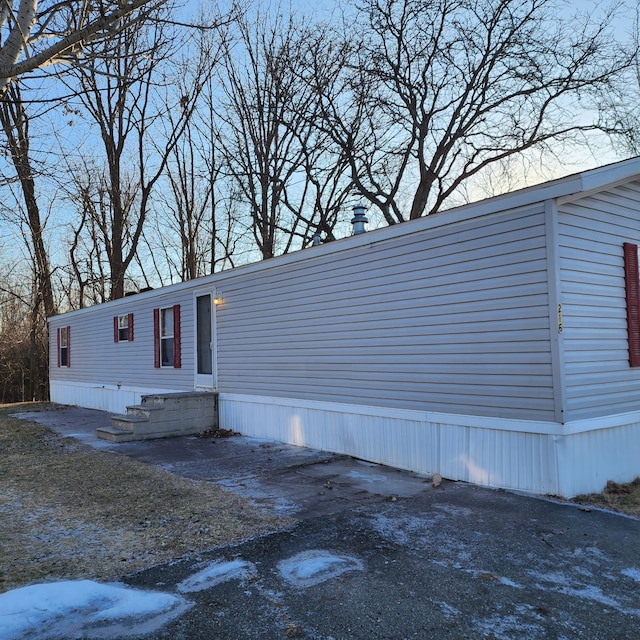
(559, 318)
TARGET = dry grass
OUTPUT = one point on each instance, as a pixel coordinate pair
(624, 498)
(68, 511)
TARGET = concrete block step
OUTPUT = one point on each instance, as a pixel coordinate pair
(165, 415)
(128, 423)
(143, 410)
(115, 435)
(152, 400)
(166, 429)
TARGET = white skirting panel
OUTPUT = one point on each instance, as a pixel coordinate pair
(588, 459)
(103, 397)
(537, 457)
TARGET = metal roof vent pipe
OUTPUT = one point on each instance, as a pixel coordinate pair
(316, 239)
(359, 221)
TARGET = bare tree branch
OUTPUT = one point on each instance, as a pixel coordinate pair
(428, 93)
(59, 31)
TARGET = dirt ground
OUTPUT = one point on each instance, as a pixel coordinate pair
(68, 511)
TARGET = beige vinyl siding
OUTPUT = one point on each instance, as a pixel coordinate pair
(96, 358)
(452, 318)
(592, 231)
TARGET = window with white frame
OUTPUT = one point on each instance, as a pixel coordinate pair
(63, 347)
(123, 328)
(167, 337)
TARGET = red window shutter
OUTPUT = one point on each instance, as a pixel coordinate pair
(632, 285)
(131, 327)
(156, 338)
(68, 346)
(116, 329)
(177, 347)
(58, 344)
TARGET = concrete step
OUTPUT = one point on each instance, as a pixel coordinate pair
(165, 415)
(128, 423)
(143, 410)
(152, 401)
(115, 435)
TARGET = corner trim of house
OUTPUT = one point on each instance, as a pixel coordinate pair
(555, 308)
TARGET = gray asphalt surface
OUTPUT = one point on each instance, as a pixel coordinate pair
(380, 553)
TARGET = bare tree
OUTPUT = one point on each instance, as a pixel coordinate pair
(189, 207)
(34, 35)
(268, 139)
(88, 256)
(194, 206)
(619, 109)
(430, 92)
(127, 95)
(15, 124)
(29, 300)
(23, 330)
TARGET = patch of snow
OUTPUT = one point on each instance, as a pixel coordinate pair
(588, 592)
(309, 568)
(508, 627)
(259, 441)
(590, 553)
(216, 573)
(634, 574)
(373, 479)
(509, 583)
(366, 477)
(487, 575)
(84, 608)
(403, 530)
(254, 489)
(528, 610)
(454, 511)
(553, 578)
(448, 610)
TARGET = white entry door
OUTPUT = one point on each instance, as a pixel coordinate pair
(205, 347)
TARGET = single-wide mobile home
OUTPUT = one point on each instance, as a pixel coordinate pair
(496, 343)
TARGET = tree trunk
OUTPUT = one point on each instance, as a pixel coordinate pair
(16, 127)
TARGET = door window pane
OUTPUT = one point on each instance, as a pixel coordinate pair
(203, 304)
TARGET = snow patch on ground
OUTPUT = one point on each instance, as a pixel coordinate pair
(367, 477)
(448, 610)
(403, 530)
(84, 608)
(216, 573)
(309, 568)
(492, 577)
(561, 584)
(508, 627)
(453, 511)
(253, 488)
(509, 583)
(634, 574)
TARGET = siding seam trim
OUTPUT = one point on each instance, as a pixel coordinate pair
(554, 291)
